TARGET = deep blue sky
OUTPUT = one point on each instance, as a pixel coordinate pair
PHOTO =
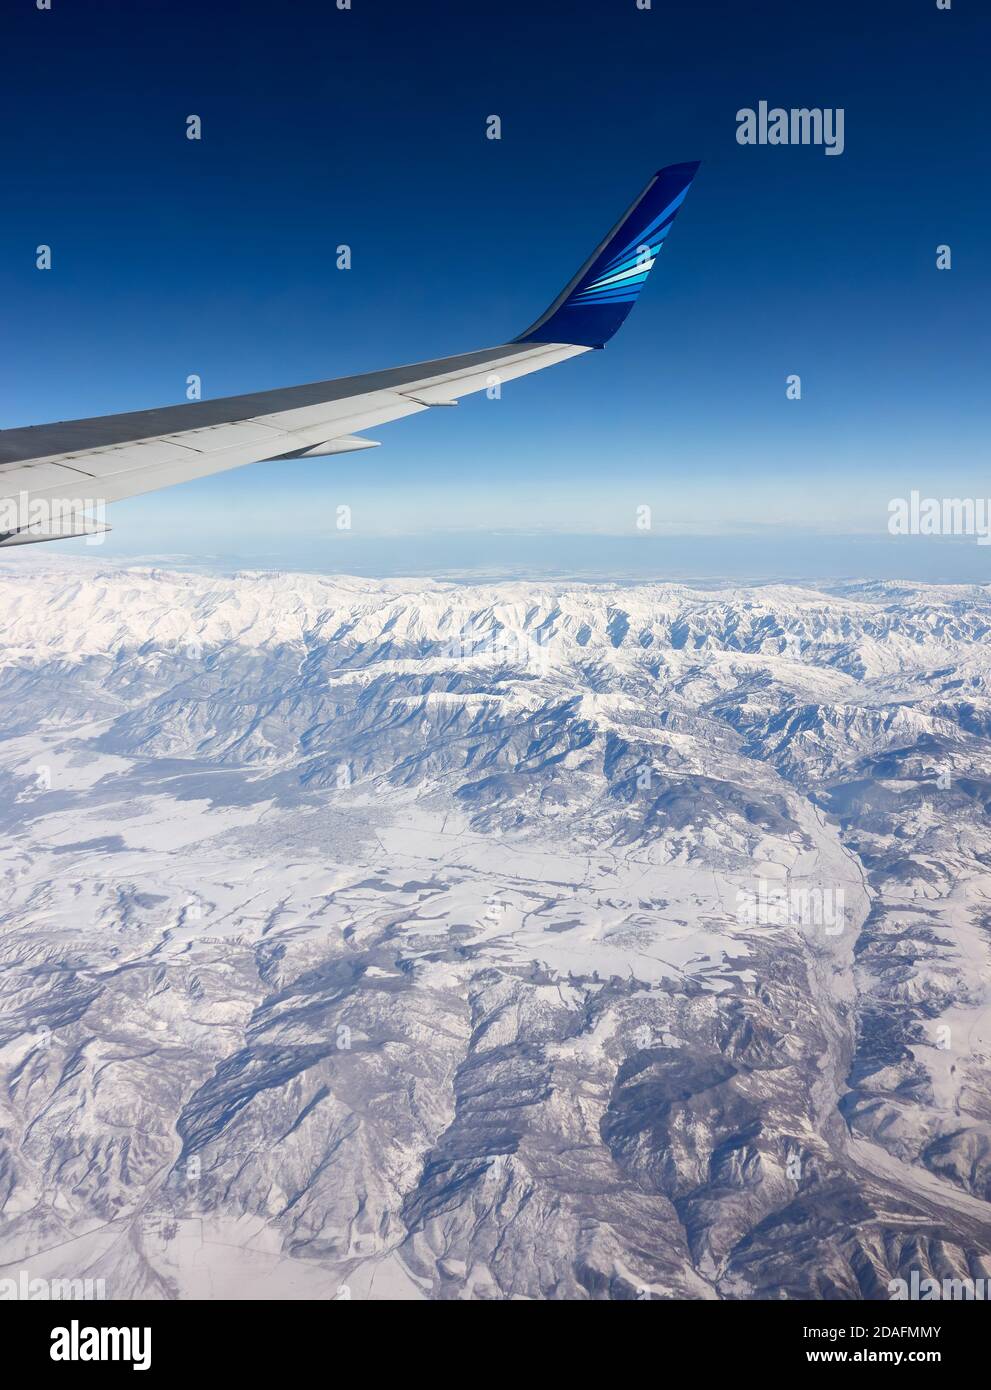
(368, 127)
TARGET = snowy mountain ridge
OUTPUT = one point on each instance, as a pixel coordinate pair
(102, 609)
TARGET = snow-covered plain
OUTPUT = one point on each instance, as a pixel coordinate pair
(408, 939)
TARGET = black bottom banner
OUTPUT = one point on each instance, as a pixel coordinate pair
(69, 1338)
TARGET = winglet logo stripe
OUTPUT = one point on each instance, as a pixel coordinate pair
(653, 240)
(626, 262)
(659, 220)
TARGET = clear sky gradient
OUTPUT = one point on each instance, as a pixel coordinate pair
(367, 127)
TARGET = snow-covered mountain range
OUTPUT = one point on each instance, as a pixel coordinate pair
(434, 940)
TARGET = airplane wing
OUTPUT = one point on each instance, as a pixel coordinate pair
(53, 477)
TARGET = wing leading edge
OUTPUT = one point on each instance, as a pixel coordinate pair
(52, 477)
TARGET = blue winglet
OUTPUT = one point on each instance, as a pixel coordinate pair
(591, 308)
